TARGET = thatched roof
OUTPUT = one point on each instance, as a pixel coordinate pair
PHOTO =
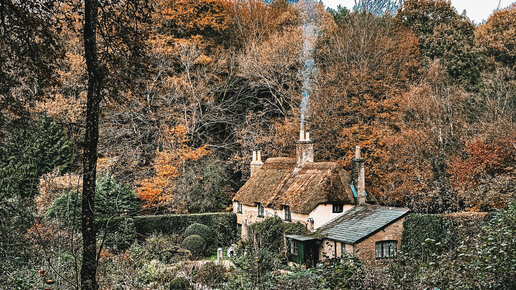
(279, 183)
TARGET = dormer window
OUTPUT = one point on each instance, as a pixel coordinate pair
(288, 214)
(261, 210)
(338, 208)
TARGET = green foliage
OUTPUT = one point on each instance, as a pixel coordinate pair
(205, 232)
(223, 224)
(122, 237)
(205, 184)
(343, 274)
(112, 199)
(269, 233)
(426, 234)
(211, 275)
(195, 244)
(32, 151)
(444, 35)
(340, 15)
(497, 258)
(179, 283)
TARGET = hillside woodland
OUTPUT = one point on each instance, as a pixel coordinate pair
(189, 88)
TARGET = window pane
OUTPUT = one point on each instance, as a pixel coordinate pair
(378, 250)
(385, 250)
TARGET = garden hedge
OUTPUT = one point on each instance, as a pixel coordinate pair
(427, 234)
(223, 224)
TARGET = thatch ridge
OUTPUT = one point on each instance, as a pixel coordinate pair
(279, 182)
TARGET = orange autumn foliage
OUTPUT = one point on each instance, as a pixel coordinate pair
(157, 192)
(481, 159)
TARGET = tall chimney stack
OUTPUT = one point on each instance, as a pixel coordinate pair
(359, 176)
(304, 149)
(256, 163)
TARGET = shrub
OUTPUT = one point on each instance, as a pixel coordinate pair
(199, 229)
(179, 283)
(223, 224)
(111, 199)
(122, 237)
(426, 234)
(211, 275)
(269, 233)
(195, 244)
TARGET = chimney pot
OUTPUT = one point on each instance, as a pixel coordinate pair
(357, 152)
(304, 149)
(256, 163)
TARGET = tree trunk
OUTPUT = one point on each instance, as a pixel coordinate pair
(89, 234)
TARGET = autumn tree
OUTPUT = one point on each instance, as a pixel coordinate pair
(365, 64)
(445, 35)
(498, 36)
(378, 7)
(158, 192)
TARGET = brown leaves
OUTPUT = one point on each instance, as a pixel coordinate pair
(158, 192)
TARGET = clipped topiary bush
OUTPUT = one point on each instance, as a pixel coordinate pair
(195, 244)
(204, 231)
(179, 283)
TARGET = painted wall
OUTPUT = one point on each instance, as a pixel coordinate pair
(249, 216)
(323, 213)
(320, 215)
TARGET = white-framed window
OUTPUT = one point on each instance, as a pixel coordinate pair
(239, 207)
(261, 211)
(338, 208)
(288, 214)
(293, 247)
(386, 249)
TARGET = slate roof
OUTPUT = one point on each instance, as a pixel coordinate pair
(279, 182)
(360, 222)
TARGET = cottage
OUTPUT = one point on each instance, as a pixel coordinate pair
(371, 232)
(320, 195)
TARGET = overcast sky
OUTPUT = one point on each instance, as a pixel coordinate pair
(477, 10)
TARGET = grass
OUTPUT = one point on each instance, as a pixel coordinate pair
(212, 256)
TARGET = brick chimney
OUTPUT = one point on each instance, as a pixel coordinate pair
(304, 149)
(257, 163)
(359, 176)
